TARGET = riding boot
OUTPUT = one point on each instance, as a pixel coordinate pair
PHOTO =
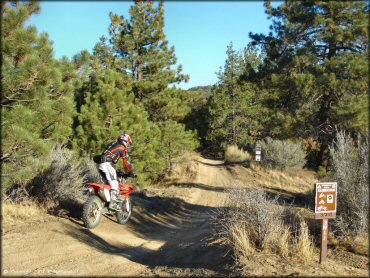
(113, 204)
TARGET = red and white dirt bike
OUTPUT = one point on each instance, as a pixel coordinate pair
(98, 201)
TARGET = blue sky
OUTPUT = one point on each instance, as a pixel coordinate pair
(200, 31)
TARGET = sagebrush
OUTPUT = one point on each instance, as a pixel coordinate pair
(350, 167)
(256, 210)
(280, 154)
(63, 180)
(255, 222)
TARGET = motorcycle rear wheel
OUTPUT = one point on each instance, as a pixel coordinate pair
(92, 212)
(124, 214)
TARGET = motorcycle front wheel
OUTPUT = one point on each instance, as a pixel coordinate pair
(92, 212)
(124, 214)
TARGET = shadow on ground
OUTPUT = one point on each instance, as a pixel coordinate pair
(288, 198)
(211, 164)
(195, 185)
(185, 228)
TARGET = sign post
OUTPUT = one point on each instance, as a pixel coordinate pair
(325, 208)
(258, 151)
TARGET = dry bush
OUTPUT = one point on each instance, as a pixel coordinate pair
(255, 209)
(350, 167)
(90, 171)
(21, 212)
(235, 155)
(17, 194)
(254, 223)
(280, 154)
(62, 181)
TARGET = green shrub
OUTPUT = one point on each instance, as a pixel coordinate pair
(280, 154)
(235, 155)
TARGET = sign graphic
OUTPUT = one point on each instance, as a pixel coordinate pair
(326, 200)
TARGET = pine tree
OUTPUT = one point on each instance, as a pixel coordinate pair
(141, 43)
(177, 141)
(173, 104)
(110, 109)
(37, 96)
(233, 106)
(197, 118)
(316, 61)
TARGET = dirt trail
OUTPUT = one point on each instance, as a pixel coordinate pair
(167, 235)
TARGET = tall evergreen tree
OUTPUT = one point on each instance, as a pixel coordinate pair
(233, 106)
(37, 96)
(142, 44)
(316, 64)
(110, 109)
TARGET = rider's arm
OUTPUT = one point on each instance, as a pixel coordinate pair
(127, 165)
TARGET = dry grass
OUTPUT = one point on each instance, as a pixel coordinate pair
(244, 249)
(235, 155)
(303, 245)
(292, 180)
(22, 212)
(187, 167)
(360, 244)
(283, 243)
(278, 241)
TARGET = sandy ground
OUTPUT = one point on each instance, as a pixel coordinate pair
(170, 234)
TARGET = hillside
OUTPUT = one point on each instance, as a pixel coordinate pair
(171, 232)
(207, 90)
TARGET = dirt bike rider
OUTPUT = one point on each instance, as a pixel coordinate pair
(112, 154)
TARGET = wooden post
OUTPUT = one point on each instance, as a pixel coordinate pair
(324, 240)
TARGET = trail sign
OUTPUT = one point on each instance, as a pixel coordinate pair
(258, 151)
(326, 200)
(325, 208)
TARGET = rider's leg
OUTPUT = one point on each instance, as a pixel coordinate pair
(110, 176)
(113, 182)
(104, 173)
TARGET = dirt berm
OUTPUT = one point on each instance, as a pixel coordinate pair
(170, 234)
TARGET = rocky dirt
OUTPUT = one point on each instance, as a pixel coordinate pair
(170, 234)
